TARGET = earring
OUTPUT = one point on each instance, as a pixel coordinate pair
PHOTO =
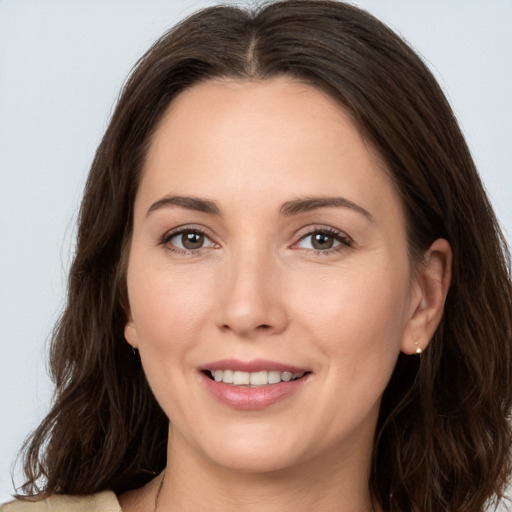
(418, 348)
(135, 352)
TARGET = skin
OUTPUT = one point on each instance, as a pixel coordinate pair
(259, 288)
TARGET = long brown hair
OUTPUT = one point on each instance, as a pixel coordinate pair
(443, 439)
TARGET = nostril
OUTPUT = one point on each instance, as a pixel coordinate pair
(262, 327)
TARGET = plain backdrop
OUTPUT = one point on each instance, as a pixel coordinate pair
(62, 64)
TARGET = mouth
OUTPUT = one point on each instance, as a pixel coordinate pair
(255, 384)
(253, 379)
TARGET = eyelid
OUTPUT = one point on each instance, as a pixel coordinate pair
(322, 228)
(343, 239)
(186, 228)
(339, 235)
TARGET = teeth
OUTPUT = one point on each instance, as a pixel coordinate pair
(286, 376)
(274, 377)
(258, 378)
(237, 378)
(241, 379)
(228, 376)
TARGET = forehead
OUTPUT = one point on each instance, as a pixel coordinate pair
(252, 112)
(277, 137)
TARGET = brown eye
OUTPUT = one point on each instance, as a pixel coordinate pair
(189, 240)
(192, 240)
(322, 241)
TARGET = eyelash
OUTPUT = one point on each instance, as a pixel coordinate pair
(166, 239)
(338, 236)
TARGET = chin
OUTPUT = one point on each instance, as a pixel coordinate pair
(255, 462)
(251, 453)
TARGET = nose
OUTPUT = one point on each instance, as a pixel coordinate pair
(251, 303)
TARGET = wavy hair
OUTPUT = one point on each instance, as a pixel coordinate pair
(443, 439)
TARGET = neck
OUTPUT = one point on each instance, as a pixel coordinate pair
(333, 482)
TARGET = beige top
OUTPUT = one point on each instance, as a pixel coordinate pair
(105, 501)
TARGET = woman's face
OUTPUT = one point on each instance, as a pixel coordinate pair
(269, 244)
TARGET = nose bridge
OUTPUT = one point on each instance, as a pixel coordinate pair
(250, 302)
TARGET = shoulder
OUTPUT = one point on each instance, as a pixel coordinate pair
(105, 501)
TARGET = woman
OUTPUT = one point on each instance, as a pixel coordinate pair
(290, 291)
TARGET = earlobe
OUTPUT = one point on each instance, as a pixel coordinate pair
(130, 333)
(432, 282)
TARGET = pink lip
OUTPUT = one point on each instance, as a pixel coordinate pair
(256, 365)
(252, 398)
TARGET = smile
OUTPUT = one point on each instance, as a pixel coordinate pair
(253, 379)
(253, 384)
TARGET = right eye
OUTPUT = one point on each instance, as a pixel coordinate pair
(187, 240)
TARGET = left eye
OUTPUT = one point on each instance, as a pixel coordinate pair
(190, 240)
(321, 241)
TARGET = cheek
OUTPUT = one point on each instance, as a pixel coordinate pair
(358, 314)
(168, 311)
(167, 308)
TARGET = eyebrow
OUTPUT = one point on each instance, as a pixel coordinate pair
(307, 204)
(290, 208)
(190, 203)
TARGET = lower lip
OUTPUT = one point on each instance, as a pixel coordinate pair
(252, 398)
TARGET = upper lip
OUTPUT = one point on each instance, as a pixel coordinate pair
(255, 365)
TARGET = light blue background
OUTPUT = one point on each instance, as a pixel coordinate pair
(61, 66)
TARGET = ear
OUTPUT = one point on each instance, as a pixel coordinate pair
(130, 332)
(430, 288)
